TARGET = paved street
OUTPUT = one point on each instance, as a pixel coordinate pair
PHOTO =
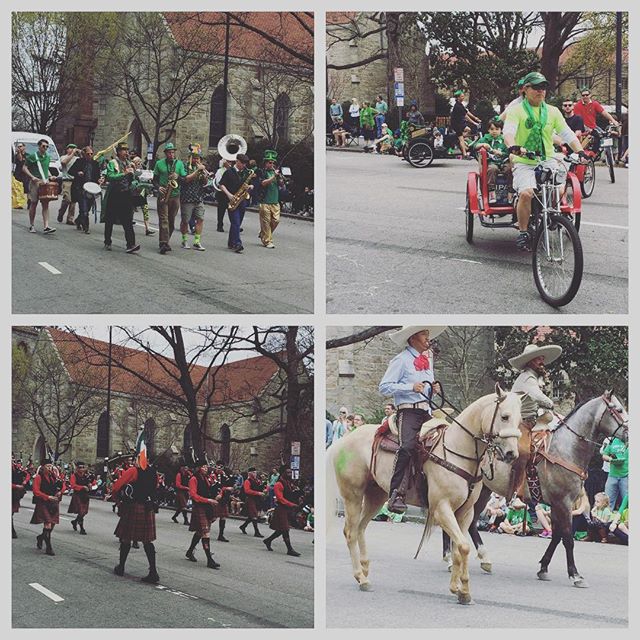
(254, 588)
(88, 279)
(415, 593)
(396, 244)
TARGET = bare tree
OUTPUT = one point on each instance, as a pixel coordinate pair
(60, 408)
(345, 27)
(358, 336)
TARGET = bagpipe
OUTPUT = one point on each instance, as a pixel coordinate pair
(18, 476)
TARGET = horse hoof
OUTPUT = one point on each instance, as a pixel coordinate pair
(486, 566)
(464, 598)
(365, 586)
(580, 583)
(543, 575)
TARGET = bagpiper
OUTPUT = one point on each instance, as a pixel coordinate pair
(285, 504)
(80, 482)
(253, 491)
(48, 488)
(19, 479)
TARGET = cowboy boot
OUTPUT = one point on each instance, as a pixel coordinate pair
(396, 502)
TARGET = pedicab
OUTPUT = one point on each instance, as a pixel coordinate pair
(419, 148)
(557, 258)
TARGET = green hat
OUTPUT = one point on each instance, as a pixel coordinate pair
(71, 146)
(534, 78)
(457, 93)
(270, 155)
(520, 83)
(169, 146)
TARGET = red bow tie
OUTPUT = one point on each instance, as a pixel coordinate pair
(421, 363)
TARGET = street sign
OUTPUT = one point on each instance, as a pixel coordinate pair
(400, 101)
(295, 474)
(295, 448)
(295, 462)
(398, 74)
(398, 89)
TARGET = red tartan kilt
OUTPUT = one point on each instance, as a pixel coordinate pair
(221, 510)
(182, 497)
(136, 523)
(252, 507)
(46, 514)
(16, 496)
(280, 519)
(201, 518)
(79, 504)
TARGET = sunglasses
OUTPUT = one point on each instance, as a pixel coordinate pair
(44, 146)
(586, 95)
(538, 87)
(569, 104)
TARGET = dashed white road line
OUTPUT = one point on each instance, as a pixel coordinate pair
(43, 590)
(48, 267)
(604, 224)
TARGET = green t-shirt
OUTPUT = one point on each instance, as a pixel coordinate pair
(32, 164)
(367, 117)
(495, 143)
(270, 193)
(161, 171)
(516, 516)
(555, 124)
(618, 468)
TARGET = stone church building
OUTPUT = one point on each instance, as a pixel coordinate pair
(245, 404)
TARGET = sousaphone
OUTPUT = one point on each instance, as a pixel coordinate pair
(230, 146)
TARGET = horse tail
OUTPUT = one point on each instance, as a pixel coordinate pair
(331, 490)
(426, 532)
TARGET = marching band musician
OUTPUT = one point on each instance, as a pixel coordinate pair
(202, 514)
(230, 182)
(140, 199)
(284, 494)
(192, 197)
(36, 168)
(253, 492)
(166, 170)
(221, 198)
(222, 485)
(136, 491)
(182, 493)
(48, 488)
(118, 201)
(269, 199)
(84, 170)
(80, 482)
(67, 161)
(19, 479)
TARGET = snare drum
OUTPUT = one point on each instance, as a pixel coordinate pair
(48, 191)
(92, 189)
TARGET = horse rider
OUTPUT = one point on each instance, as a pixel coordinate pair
(405, 380)
(531, 364)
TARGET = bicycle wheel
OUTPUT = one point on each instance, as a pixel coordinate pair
(589, 179)
(468, 221)
(609, 157)
(420, 154)
(557, 261)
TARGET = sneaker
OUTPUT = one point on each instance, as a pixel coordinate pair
(185, 245)
(149, 232)
(107, 247)
(238, 249)
(133, 249)
(163, 249)
(32, 229)
(220, 229)
(70, 222)
(198, 247)
(523, 241)
(49, 230)
(60, 217)
(270, 246)
(545, 533)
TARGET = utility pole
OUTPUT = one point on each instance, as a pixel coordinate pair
(225, 77)
(619, 66)
(109, 381)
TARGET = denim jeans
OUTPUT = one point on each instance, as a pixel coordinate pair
(235, 221)
(616, 488)
(379, 118)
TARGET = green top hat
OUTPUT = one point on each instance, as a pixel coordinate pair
(457, 93)
(534, 78)
(270, 155)
(169, 146)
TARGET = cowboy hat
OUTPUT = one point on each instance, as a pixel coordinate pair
(401, 337)
(550, 353)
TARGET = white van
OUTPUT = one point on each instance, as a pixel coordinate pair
(30, 140)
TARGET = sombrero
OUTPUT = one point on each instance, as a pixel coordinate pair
(550, 353)
(400, 337)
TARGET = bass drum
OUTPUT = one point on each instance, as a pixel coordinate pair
(48, 191)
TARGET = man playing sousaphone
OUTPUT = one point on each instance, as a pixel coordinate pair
(405, 380)
(531, 364)
(36, 168)
(166, 175)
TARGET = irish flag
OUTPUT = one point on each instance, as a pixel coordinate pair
(141, 451)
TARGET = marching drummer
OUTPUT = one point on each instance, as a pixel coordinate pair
(37, 170)
(85, 187)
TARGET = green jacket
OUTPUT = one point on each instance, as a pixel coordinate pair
(367, 117)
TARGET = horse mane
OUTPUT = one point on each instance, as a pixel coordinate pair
(577, 407)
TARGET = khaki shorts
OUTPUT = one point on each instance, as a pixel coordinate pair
(524, 175)
(189, 208)
(66, 190)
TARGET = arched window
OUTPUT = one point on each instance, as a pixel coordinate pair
(102, 448)
(225, 447)
(217, 117)
(281, 112)
(150, 436)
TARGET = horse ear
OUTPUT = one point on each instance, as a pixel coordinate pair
(499, 392)
(608, 394)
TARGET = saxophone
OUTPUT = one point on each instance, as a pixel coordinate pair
(242, 193)
(171, 185)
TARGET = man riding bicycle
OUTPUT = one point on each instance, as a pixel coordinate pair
(529, 129)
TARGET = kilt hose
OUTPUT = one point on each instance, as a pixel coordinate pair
(136, 523)
(280, 518)
(182, 497)
(79, 504)
(202, 515)
(46, 512)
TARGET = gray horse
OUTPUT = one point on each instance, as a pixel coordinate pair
(572, 445)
